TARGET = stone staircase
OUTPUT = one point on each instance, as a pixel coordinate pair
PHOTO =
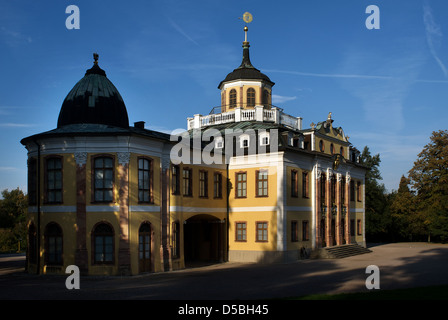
(338, 252)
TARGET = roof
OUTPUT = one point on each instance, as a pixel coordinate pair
(87, 129)
(246, 70)
(94, 99)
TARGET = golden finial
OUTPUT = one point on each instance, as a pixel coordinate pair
(247, 17)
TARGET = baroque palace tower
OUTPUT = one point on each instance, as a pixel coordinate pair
(243, 183)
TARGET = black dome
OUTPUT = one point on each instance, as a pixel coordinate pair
(94, 99)
(246, 70)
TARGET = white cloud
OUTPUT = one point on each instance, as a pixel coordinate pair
(8, 169)
(280, 99)
(16, 125)
(433, 36)
(181, 31)
(14, 38)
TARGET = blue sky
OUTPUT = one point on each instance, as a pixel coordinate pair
(386, 88)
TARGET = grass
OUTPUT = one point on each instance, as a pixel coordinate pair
(423, 293)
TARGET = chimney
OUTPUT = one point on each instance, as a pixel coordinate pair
(139, 124)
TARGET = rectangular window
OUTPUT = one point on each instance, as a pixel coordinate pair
(294, 231)
(305, 231)
(53, 180)
(241, 185)
(261, 231)
(32, 181)
(262, 183)
(359, 227)
(294, 184)
(240, 231)
(305, 185)
(103, 179)
(187, 182)
(352, 227)
(352, 190)
(217, 185)
(203, 184)
(145, 180)
(175, 180)
(358, 191)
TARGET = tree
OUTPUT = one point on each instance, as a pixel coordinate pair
(429, 179)
(13, 209)
(409, 223)
(378, 218)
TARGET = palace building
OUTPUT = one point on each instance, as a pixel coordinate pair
(244, 183)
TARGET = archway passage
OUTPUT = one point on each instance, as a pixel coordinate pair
(204, 240)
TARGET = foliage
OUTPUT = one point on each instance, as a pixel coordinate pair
(378, 219)
(13, 209)
(429, 179)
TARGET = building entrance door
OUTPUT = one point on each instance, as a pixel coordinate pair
(204, 240)
(144, 248)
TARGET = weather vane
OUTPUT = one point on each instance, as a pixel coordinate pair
(247, 17)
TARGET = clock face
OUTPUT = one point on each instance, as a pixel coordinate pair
(247, 17)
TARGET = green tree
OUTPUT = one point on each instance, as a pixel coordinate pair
(429, 179)
(378, 218)
(13, 209)
(409, 223)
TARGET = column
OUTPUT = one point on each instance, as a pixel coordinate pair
(165, 249)
(318, 208)
(339, 210)
(329, 237)
(124, 254)
(347, 206)
(81, 256)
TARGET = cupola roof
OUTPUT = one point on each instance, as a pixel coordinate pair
(94, 99)
(246, 71)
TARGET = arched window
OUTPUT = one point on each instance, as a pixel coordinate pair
(232, 98)
(332, 149)
(53, 244)
(103, 244)
(266, 98)
(321, 146)
(251, 97)
(103, 179)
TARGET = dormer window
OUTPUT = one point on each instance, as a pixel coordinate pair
(244, 141)
(219, 143)
(321, 146)
(264, 138)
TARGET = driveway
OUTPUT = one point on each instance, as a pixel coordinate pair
(401, 265)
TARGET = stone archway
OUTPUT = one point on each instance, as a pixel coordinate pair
(204, 240)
